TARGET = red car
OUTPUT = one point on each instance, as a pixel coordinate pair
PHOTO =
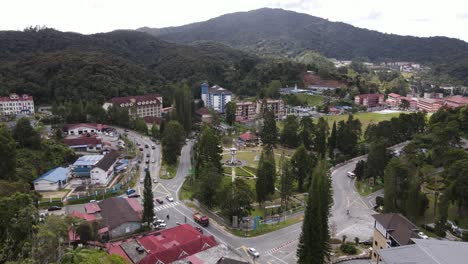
(159, 201)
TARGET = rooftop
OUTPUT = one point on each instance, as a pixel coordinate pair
(399, 227)
(369, 95)
(87, 217)
(108, 160)
(137, 99)
(427, 251)
(203, 111)
(15, 97)
(82, 141)
(92, 208)
(54, 175)
(116, 211)
(165, 246)
(88, 125)
(216, 89)
(457, 99)
(88, 160)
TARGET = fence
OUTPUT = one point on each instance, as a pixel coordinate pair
(104, 193)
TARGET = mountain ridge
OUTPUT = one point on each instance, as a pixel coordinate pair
(278, 31)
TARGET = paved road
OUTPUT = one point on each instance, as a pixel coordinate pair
(359, 222)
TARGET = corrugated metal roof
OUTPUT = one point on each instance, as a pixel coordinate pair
(55, 175)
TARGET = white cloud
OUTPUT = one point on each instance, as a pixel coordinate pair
(415, 17)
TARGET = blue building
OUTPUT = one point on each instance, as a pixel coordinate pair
(52, 180)
(83, 165)
(215, 97)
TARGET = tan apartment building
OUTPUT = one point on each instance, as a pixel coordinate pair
(391, 230)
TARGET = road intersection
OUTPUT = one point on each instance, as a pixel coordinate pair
(275, 247)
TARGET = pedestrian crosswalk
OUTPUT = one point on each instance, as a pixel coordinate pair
(166, 206)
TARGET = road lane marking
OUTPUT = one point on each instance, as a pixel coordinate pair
(280, 260)
(166, 206)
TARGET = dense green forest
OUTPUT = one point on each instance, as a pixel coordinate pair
(65, 66)
(286, 33)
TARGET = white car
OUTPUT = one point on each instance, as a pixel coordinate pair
(155, 180)
(422, 235)
(160, 221)
(153, 161)
(253, 252)
(161, 226)
(169, 198)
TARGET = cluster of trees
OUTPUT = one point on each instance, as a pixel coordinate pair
(23, 238)
(73, 67)
(436, 145)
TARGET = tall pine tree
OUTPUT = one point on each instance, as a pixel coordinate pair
(269, 131)
(321, 134)
(148, 203)
(307, 132)
(314, 247)
(266, 175)
(332, 141)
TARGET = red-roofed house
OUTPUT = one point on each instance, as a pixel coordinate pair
(165, 246)
(248, 137)
(369, 100)
(150, 120)
(139, 105)
(394, 100)
(204, 115)
(90, 144)
(429, 105)
(455, 101)
(17, 104)
(136, 206)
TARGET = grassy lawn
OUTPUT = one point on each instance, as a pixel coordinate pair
(263, 229)
(312, 100)
(365, 118)
(186, 192)
(168, 171)
(56, 195)
(365, 189)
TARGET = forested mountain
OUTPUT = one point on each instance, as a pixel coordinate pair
(281, 32)
(60, 66)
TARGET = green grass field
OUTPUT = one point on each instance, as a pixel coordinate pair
(365, 118)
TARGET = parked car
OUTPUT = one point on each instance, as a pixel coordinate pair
(130, 191)
(54, 208)
(147, 161)
(135, 195)
(253, 252)
(159, 221)
(155, 180)
(161, 226)
(422, 235)
(159, 201)
(147, 155)
(146, 146)
(169, 198)
(153, 161)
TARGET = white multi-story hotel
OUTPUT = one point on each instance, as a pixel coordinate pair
(17, 105)
(215, 97)
(139, 106)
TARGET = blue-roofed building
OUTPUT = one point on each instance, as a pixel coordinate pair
(52, 180)
(83, 165)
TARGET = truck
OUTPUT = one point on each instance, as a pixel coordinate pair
(201, 219)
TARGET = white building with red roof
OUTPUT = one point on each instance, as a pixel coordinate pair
(17, 105)
(139, 105)
(83, 128)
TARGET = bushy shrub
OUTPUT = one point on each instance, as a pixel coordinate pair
(349, 249)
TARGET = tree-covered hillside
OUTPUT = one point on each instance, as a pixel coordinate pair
(62, 66)
(281, 32)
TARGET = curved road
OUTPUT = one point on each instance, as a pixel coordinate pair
(275, 247)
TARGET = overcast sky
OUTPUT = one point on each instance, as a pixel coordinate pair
(405, 17)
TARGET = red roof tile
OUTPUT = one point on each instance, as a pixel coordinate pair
(203, 111)
(92, 208)
(135, 204)
(82, 141)
(248, 136)
(152, 120)
(89, 125)
(23, 97)
(87, 217)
